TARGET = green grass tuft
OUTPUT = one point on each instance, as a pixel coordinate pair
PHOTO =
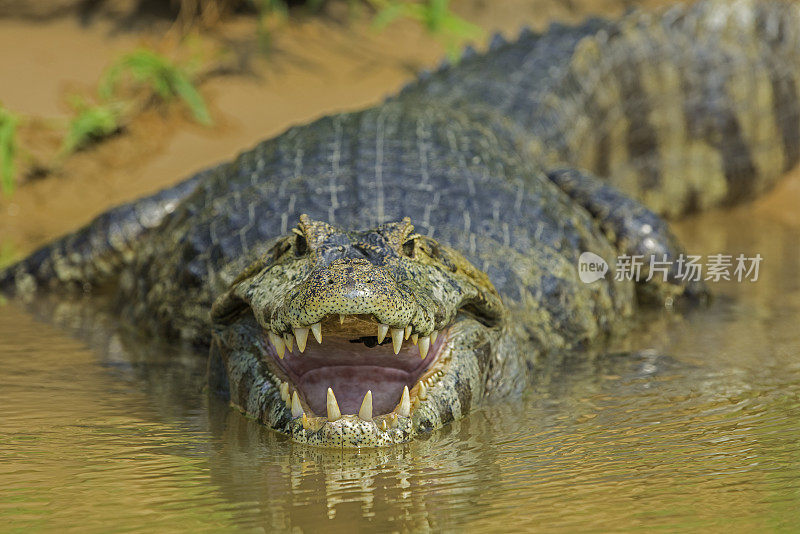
(8, 149)
(435, 15)
(164, 78)
(8, 254)
(92, 122)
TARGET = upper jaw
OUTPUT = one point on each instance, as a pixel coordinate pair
(382, 300)
(342, 325)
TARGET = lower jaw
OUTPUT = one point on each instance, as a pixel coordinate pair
(254, 390)
(426, 415)
(350, 430)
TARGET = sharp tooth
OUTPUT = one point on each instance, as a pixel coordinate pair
(316, 329)
(392, 419)
(333, 409)
(305, 420)
(397, 339)
(414, 338)
(382, 329)
(302, 336)
(384, 426)
(434, 335)
(407, 332)
(405, 404)
(424, 345)
(284, 390)
(277, 342)
(365, 412)
(289, 340)
(422, 393)
(297, 410)
(341, 318)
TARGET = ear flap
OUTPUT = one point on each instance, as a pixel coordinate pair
(491, 306)
(229, 305)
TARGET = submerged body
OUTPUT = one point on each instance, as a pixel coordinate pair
(430, 244)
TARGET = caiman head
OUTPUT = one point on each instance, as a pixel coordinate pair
(357, 339)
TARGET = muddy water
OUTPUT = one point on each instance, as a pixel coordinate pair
(690, 423)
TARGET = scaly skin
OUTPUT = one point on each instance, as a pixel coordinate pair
(467, 184)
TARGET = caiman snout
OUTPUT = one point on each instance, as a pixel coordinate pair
(362, 328)
(352, 279)
(351, 287)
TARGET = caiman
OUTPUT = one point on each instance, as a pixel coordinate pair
(429, 245)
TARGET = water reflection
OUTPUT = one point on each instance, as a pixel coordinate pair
(691, 422)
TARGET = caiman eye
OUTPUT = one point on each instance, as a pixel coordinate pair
(408, 247)
(300, 246)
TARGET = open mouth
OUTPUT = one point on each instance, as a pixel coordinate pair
(355, 365)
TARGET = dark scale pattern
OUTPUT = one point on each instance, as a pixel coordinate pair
(708, 90)
(471, 190)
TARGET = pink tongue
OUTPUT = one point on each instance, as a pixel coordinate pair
(350, 383)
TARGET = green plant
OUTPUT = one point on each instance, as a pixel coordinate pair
(8, 253)
(269, 12)
(92, 122)
(8, 149)
(163, 77)
(435, 15)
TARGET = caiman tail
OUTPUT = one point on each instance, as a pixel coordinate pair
(690, 109)
(93, 255)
